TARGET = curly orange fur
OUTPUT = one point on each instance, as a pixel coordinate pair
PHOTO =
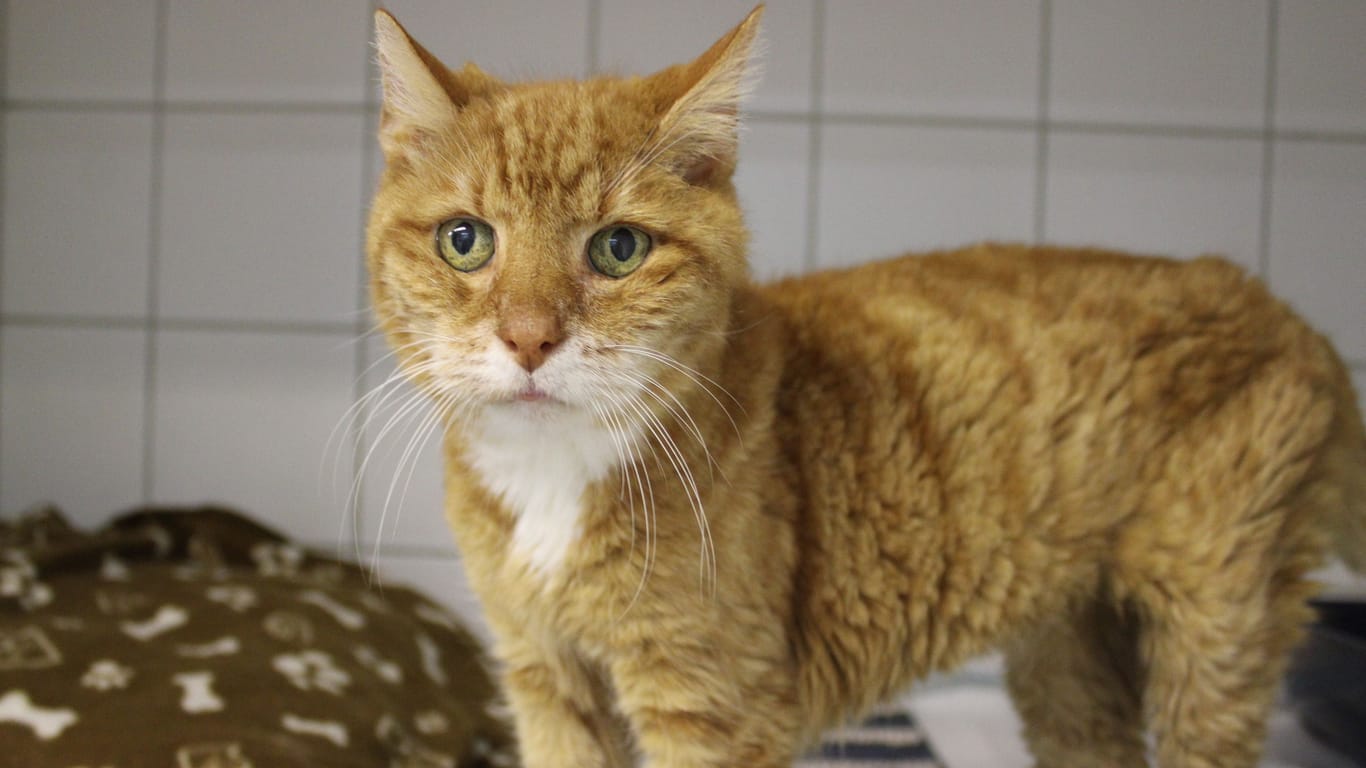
(1117, 469)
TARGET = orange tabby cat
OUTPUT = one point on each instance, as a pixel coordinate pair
(709, 518)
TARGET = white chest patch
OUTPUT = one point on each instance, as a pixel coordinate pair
(541, 464)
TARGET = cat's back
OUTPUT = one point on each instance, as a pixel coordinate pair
(1031, 305)
(1029, 332)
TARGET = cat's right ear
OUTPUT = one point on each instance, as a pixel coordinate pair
(421, 96)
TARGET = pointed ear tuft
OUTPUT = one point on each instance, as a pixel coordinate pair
(704, 114)
(421, 96)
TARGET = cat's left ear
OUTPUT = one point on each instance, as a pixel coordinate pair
(703, 103)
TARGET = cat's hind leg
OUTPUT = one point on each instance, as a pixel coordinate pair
(1075, 683)
(1216, 649)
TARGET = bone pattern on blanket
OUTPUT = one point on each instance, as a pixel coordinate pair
(46, 723)
(167, 618)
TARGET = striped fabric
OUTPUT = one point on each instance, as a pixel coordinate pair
(889, 739)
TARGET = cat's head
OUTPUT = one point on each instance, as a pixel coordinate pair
(555, 244)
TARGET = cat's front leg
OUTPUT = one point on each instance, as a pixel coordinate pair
(559, 710)
(704, 705)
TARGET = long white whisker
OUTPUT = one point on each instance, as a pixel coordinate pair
(643, 484)
(684, 472)
(430, 421)
(702, 381)
(417, 443)
(402, 414)
(649, 385)
(355, 421)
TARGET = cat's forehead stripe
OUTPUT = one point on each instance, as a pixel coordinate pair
(548, 150)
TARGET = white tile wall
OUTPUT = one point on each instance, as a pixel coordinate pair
(1322, 71)
(1159, 61)
(244, 419)
(1164, 194)
(282, 51)
(188, 178)
(78, 188)
(885, 189)
(1318, 237)
(513, 39)
(260, 216)
(971, 58)
(71, 419)
(772, 181)
(80, 49)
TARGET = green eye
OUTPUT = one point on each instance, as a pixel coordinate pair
(617, 251)
(466, 244)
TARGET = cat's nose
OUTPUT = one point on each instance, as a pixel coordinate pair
(531, 337)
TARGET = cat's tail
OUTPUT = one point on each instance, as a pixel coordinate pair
(1345, 458)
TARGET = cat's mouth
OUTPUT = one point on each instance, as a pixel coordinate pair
(533, 394)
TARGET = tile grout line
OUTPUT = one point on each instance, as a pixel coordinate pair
(155, 184)
(180, 324)
(1174, 130)
(187, 106)
(1041, 139)
(594, 22)
(813, 157)
(4, 120)
(1268, 142)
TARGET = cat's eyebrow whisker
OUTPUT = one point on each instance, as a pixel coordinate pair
(650, 150)
(632, 164)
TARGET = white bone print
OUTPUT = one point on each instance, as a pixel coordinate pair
(212, 755)
(113, 569)
(433, 615)
(431, 659)
(346, 617)
(236, 597)
(167, 618)
(312, 670)
(223, 646)
(46, 723)
(197, 693)
(106, 675)
(387, 670)
(328, 729)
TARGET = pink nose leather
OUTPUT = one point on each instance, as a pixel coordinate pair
(531, 337)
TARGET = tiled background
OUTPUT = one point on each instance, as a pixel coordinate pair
(184, 186)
